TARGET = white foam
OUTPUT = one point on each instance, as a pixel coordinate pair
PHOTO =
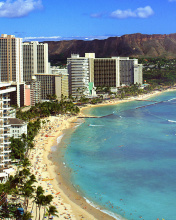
(172, 121)
(78, 125)
(95, 125)
(59, 138)
(171, 99)
(104, 211)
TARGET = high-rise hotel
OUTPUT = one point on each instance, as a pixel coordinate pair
(5, 90)
(86, 72)
(35, 59)
(11, 65)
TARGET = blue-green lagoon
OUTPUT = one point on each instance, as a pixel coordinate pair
(126, 162)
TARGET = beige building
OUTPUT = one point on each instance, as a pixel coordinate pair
(11, 66)
(5, 161)
(35, 59)
(53, 84)
(62, 86)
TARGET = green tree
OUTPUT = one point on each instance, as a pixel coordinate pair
(52, 211)
(39, 199)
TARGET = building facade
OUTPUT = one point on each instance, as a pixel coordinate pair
(17, 127)
(53, 84)
(117, 71)
(5, 160)
(27, 95)
(104, 72)
(11, 65)
(79, 75)
(35, 59)
(35, 92)
(62, 86)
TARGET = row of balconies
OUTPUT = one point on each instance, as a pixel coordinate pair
(6, 143)
(4, 160)
(4, 166)
(4, 98)
(80, 72)
(4, 153)
(6, 139)
(79, 85)
(80, 80)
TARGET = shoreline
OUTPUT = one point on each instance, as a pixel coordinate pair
(69, 203)
(132, 98)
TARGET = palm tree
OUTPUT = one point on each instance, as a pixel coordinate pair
(52, 211)
(27, 193)
(47, 201)
(26, 216)
(26, 163)
(39, 198)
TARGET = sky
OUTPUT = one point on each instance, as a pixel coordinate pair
(79, 19)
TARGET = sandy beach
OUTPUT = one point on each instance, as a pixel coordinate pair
(68, 202)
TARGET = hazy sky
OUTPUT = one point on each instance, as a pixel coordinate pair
(80, 19)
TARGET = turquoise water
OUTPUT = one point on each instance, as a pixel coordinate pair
(126, 162)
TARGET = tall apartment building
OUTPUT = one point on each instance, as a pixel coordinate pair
(62, 86)
(105, 72)
(79, 69)
(5, 160)
(11, 65)
(35, 59)
(116, 71)
(35, 91)
(130, 71)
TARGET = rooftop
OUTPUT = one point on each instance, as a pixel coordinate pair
(16, 121)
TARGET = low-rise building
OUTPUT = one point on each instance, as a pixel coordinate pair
(17, 127)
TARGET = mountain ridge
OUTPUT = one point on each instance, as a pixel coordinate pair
(131, 45)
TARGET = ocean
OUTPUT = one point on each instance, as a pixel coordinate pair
(125, 162)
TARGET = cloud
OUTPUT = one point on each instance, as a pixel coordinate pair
(18, 8)
(138, 13)
(59, 38)
(42, 38)
(97, 15)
